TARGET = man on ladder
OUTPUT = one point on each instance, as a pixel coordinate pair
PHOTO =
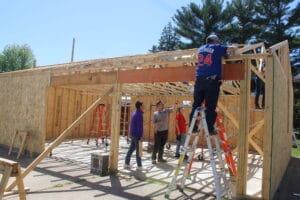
(207, 88)
(208, 76)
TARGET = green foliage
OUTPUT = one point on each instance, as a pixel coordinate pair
(238, 21)
(243, 27)
(16, 57)
(295, 152)
(195, 23)
(168, 41)
(274, 19)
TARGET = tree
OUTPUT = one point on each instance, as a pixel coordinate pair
(294, 21)
(275, 19)
(195, 23)
(243, 27)
(168, 41)
(16, 57)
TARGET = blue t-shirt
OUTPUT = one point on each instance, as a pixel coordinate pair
(210, 60)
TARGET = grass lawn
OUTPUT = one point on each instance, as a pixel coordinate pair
(295, 151)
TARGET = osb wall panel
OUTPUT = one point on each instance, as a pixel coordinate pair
(281, 141)
(23, 103)
(64, 106)
(231, 102)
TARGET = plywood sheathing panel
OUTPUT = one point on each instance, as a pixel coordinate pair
(23, 107)
(278, 138)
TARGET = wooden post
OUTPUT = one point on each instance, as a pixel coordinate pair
(241, 188)
(59, 139)
(115, 128)
(267, 146)
(20, 184)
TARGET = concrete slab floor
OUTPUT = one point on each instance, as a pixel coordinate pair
(66, 175)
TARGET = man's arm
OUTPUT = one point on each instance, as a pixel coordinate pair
(231, 48)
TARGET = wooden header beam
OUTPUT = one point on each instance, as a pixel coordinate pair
(150, 75)
(84, 79)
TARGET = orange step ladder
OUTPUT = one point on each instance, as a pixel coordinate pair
(99, 123)
(225, 145)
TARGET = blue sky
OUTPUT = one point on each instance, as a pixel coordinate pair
(102, 28)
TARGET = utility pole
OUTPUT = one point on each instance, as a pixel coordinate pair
(73, 47)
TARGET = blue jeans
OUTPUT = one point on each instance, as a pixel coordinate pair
(207, 90)
(134, 145)
(180, 143)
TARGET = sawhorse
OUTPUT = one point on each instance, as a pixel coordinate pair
(9, 168)
(23, 136)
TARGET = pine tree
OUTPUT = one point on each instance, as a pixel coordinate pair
(168, 41)
(274, 19)
(243, 27)
(195, 23)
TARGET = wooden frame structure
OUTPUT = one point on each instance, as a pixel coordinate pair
(167, 74)
(9, 169)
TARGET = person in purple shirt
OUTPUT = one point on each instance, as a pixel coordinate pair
(208, 76)
(136, 134)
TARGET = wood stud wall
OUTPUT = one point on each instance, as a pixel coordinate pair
(64, 106)
(268, 134)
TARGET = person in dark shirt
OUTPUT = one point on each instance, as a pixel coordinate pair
(208, 76)
(136, 134)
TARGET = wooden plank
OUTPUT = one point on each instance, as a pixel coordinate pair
(82, 128)
(65, 107)
(23, 135)
(88, 120)
(4, 180)
(58, 140)
(228, 114)
(49, 112)
(7, 162)
(253, 132)
(26, 189)
(241, 187)
(71, 109)
(57, 112)
(115, 129)
(84, 79)
(176, 74)
(20, 184)
(77, 112)
(12, 142)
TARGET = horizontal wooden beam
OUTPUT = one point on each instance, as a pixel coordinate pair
(84, 78)
(150, 75)
(176, 74)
